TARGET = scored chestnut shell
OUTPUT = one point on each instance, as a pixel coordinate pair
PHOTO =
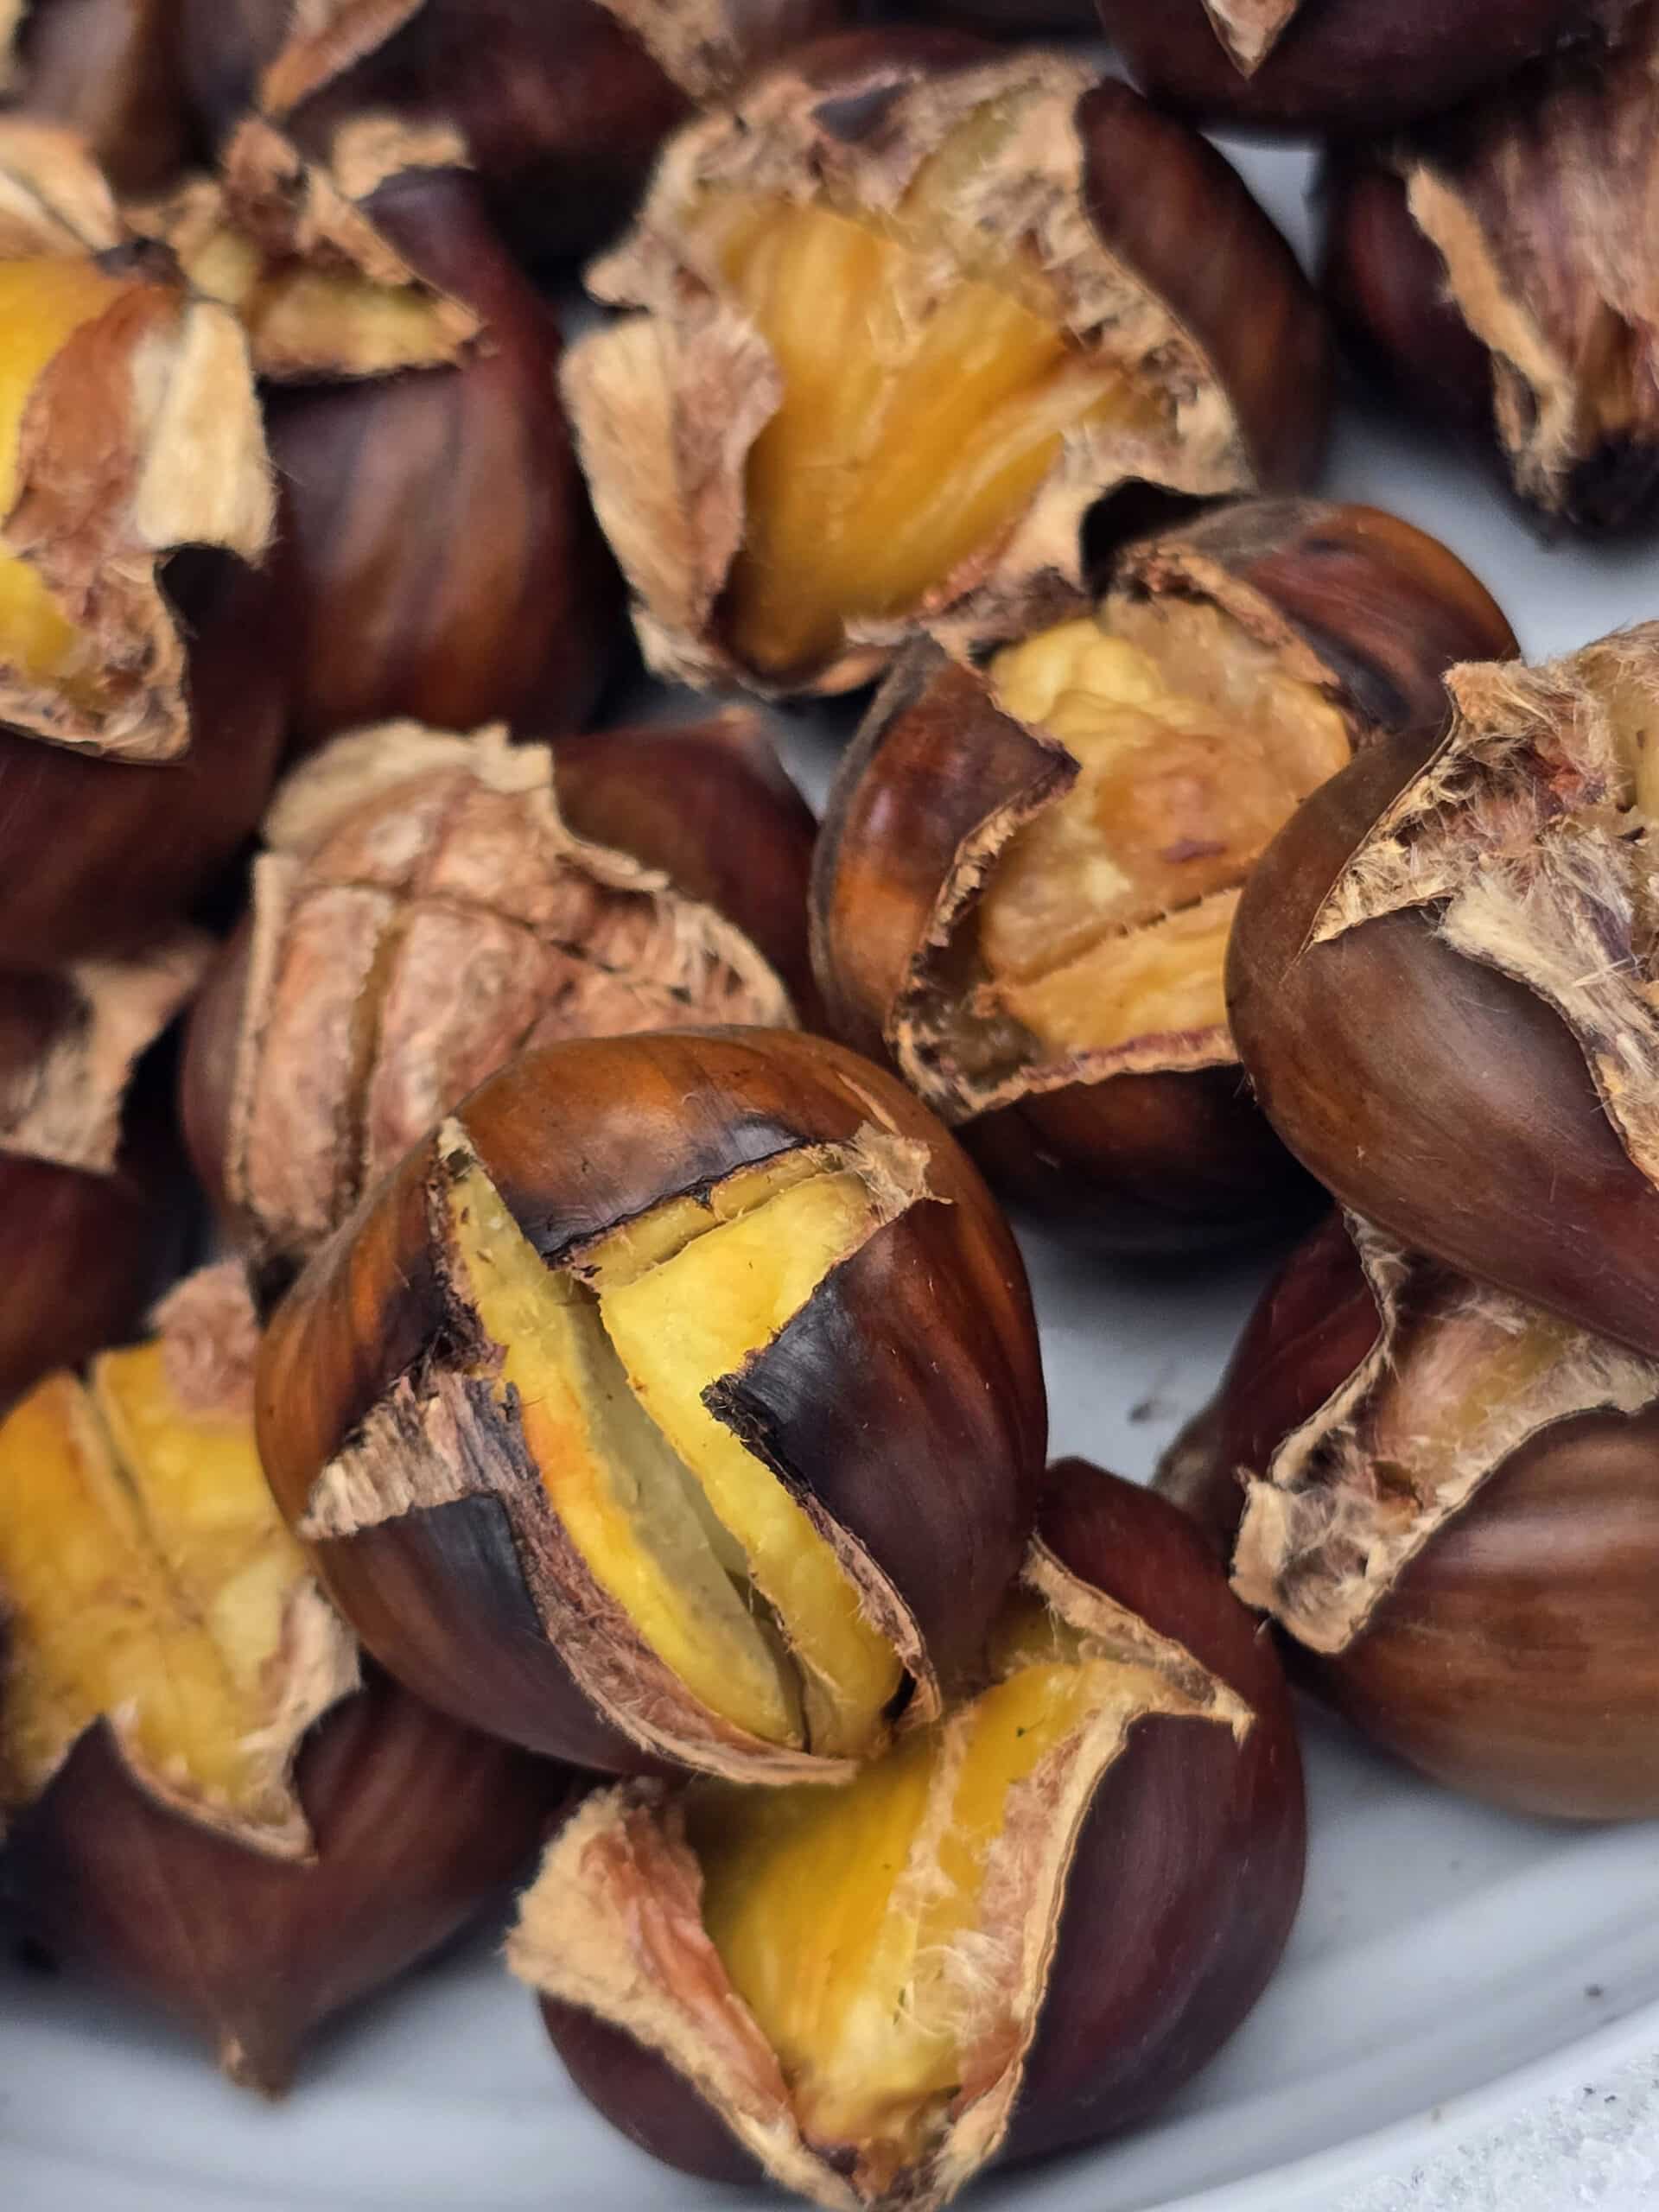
(1489, 265)
(1451, 1504)
(1121, 1868)
(1339, 65)
(92, 1207)
(1026, 879)
(423, 911)
(678, 1400)
(1438, 985)
(561, 103)
(109, 69)
(964, 247)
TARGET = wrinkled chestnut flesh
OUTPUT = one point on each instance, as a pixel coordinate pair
(928, 383)
(1104, 920)
(854, 1970)
(150, 1583)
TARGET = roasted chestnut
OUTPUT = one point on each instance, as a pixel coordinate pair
(909, 307)
(1453, 1506)
(1339, 65)
(561, 103)
(410, 371)
(1021, 1931)
(182, 1825)
(423, 911)
(679, 1399)
(1027, 875)
(91, 1204)
(110, 70)
(1496, 266)
(1439, 982)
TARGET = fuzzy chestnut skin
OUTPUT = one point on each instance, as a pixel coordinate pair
(419, 1825)
(1512, 1658)
(1165, 1160)
(1431, 1093)
(562, 105)
(930, 1321)
(1178, 1902)
(503, 605)
(1343, 65)
(96, 855)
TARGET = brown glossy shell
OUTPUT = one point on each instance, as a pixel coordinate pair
(930, 1322)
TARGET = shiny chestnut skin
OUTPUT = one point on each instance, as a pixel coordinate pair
(1343, 65)
(503, 605)
(1177, 1905)
(577, 1138)
(97, 855)
(419, 1826)
(1164, 1160)
(1431, 1093)
(1511, 1658)
(562, 105)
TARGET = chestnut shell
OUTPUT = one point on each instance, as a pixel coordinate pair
(576, 1137)
(1180, 1897)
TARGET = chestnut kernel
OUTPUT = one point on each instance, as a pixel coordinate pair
(678, 1399)
(904, 311)
(1438, 985)
(1448, 1497)
(1021, 1931)
(422, 912)
(1027, 875)
(1339, 65)
(1493, 265)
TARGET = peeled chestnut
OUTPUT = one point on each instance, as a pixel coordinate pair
(1451, 1504)
(1339, 65)
(561, 104)
(410, 368)
(1021, 1931)
(677, 1400)
(1497, 267)
(108, 69)
(182, 1826)
(906, 310)
(91, 1204)
(424, 911)
(1027, 874)
(1439, 984)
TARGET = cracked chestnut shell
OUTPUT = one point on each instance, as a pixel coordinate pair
(1438, 984)
(1121, 1869)
(1448, 1498)
(960, 247)
(1320, 65)
(426, 907)
(1026, 875)
(561, 103)
(109, 69)
(677, 1400)
(1490, 266)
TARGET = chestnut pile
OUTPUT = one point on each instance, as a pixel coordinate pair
(615, 1425)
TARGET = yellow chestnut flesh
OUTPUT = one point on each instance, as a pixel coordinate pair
(723, 1573)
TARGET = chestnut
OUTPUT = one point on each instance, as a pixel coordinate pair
(1022, 1930)
(1494, 267)
(181, 1826)
(906, 310)
(108, 70)
(1335, 66)
(1437, 984)
(1028, 874)
(678, 1400)
(423, 912)
(561, 103)
(91, 1206)
(409, 368)
(1451, 1506)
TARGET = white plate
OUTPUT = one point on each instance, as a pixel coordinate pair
(1447, 1961)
